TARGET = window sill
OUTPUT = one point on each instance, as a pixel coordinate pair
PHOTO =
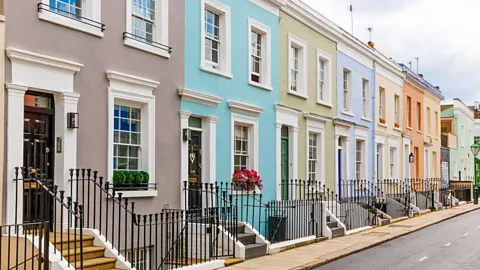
(261, 86)
(418, 131)
(146, 48)
(383, 125)
(217, 72)
(329, 105)
(366, 119)
(297, 94)
(348, 113)
(69, 23)
(138, 193)
(397, 129)
(409, 128)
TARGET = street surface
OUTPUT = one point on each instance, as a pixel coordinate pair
(452, 244)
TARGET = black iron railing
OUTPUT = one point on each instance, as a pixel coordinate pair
(172, 238)
(277, 221)
(146, 41)
(67, 14)
(43, 202)
(18, 249)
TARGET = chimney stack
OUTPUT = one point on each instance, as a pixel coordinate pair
(438, 88)
(371, 44)
(477, 105)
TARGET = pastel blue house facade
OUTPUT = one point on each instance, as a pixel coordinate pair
(354, 125)
(231, 88)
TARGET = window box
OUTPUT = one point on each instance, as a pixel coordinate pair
(397, 125)
(134, 187)
(381, 121)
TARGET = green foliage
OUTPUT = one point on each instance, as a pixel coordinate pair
(119, 177)
(128, 177)
(137, 178)
(146, 177)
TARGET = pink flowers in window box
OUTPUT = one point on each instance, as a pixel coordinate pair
(247, 180)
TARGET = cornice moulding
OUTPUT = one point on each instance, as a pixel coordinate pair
(58, 63)
(245, 108)
(199, 97)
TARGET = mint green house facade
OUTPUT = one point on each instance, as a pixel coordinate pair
(457, 134)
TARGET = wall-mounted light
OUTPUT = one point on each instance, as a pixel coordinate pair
(411, 158)
(187, 134)
(73, 120)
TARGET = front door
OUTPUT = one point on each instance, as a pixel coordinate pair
(38, 135)
(195, 171)
(284, 163)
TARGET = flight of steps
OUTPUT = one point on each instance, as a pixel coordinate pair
(252, 249)
(337, 230)
(93, 256)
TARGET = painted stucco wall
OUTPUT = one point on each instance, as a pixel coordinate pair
(236, 88)
(462, 155)
(392, 136)
(98, 55)
(2, 107)
(315, 41)
(358, 73)
(432, 133)
(416, 95)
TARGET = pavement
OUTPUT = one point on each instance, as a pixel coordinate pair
(320, 254)
(452, 244)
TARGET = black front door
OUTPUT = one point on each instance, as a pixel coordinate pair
(195, 171)
(38, 135)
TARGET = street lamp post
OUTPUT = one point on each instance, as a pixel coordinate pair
(475, 149)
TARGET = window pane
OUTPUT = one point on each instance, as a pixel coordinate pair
(122, 163)
(125, 125)
(135, 125)
(195, 122)
(116, 110)
(133, 151)
(136, 113)
(116, 125)
(124, 137)
(115, 136)
(133, 164)
(125, 112)
(135, 138)
(123, 151)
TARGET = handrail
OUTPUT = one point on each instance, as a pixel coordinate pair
(73, 16)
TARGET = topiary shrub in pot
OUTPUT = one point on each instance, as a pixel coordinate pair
(146, 179)
(118, 178)
(137, 179)
(128, 179)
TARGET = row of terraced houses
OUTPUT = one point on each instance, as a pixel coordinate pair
(188, 92)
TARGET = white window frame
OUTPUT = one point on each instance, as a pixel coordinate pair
(393, 160)
(315, 158)
(316, 126)
(381, 104)
(347, 93)
(301, 45)
(131, 89)
(365, 98)
(396, 113)
(252, 124)
(327, 75)
(224, 64)
(160, 32)
(362, 172)
(91, 9)
(265, 66)
(247, 165)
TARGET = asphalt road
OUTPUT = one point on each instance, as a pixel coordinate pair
(453, 244)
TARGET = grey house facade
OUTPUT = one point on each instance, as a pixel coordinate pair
(94, 85)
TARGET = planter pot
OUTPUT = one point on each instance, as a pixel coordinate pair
(382, 121)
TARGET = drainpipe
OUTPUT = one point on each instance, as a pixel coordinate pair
(374, 117)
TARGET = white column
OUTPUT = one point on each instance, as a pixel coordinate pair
(65, 103)
(211, 150)
(337, 142)
(183, 156)
(15, 118)
(278, 160)
(347, 158)
(294, 155)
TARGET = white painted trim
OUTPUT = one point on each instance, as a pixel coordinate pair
(252, 124)
(91, 9)
(110, 251)
(130, 89)
(352, 53)
(266, 52)
(184, 115)
(302, 86)
(388, 75)
(272, 6)
(199, 97)
(139, 194)
(160, 34)
(225, 35)
(321, 55)
(244, 107)
(215, 264)
(316, 126)
(361, 229)
(35, 58)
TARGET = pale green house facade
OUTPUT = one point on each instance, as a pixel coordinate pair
(307, 98)
(457, 125)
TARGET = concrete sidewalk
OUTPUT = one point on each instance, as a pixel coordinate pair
(314, 255)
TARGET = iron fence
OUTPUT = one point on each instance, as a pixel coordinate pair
(25, 246)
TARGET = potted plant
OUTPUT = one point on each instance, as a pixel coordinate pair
(382, 121)
(247, 180)
(146, 179)
(118, 178)
(137, 179)
(128, 179)
(397, 125)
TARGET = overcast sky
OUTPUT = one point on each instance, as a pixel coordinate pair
(444, 34)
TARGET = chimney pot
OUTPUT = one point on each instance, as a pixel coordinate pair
(371, 44)
(421, 75)
(437, 87)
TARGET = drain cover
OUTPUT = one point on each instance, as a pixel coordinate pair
(400, 226)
